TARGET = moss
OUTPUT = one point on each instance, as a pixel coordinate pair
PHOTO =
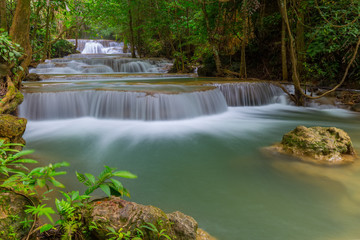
(12, 128)
(317, 143)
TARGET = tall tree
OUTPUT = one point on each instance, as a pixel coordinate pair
(20, 30)
(300, 95)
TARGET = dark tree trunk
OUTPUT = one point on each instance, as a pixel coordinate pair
(283, 52)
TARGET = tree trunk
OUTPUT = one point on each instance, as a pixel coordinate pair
(47, 34)
(211, 39)
(299, 98)
(244, 40)
(20, 33)
(300, 41)
(20, 29)
(132, 38)
(283, 52)
(243, 61)
(3, 20)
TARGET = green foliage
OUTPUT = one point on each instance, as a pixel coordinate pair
(10, 52)
(62, 48)
(106, 182)
(160, 234)
(72, 207)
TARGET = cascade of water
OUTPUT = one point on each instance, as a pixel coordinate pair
(78, 65)
(250, 93)
(87, 46)
(122, 105)
(93, 47)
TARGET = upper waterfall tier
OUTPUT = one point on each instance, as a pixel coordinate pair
(87, 46)
(122, 105)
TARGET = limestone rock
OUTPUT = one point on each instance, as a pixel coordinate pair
(117, 213)
(12, 128)
(202, 235)
(321, 145)
(12, 212)
(184, 226)
(32, 77)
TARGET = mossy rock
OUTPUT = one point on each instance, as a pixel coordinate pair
(12, 128)
(119, 214)
(320, 145)
(12, 214)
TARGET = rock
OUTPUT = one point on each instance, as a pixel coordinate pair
(32, 77)
(202, 235)
(12, 128)
(184, 226)
(12, 213)
(356, 107)
(120, 214)
(320, 145)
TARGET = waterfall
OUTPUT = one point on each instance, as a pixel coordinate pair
(86, 46)
(122, 105)
(93, 47)
(250, 93)
(81, 65)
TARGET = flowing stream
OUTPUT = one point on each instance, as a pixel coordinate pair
(195, 145)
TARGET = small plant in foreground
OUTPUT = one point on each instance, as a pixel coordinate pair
(16, 177)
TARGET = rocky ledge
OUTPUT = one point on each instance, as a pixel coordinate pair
(319, 145)
(119, 214)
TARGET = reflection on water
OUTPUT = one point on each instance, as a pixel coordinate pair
(212, 168)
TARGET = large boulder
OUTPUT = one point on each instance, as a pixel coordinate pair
(320, 145)
(118, 214)
(13, 216)
(12, 128)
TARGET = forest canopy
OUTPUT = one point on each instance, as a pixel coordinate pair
(248, 38)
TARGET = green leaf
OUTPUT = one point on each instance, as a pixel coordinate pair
(75, 196)
(41, 182)
(25, 161)
(106, 189)
(90, 177)
(57, 183)
(80, 177)
(46, 227)
(117, 184)
(124, 174)
(23, 153)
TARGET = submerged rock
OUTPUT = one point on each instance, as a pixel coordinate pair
(12, 214)
(320, 145)
(117, 213)
(12, 128)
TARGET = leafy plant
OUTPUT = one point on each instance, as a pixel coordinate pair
(70, 210)
(119, 235)
(161, 234)
(18, 178)
(106, 182)
(10, 52)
